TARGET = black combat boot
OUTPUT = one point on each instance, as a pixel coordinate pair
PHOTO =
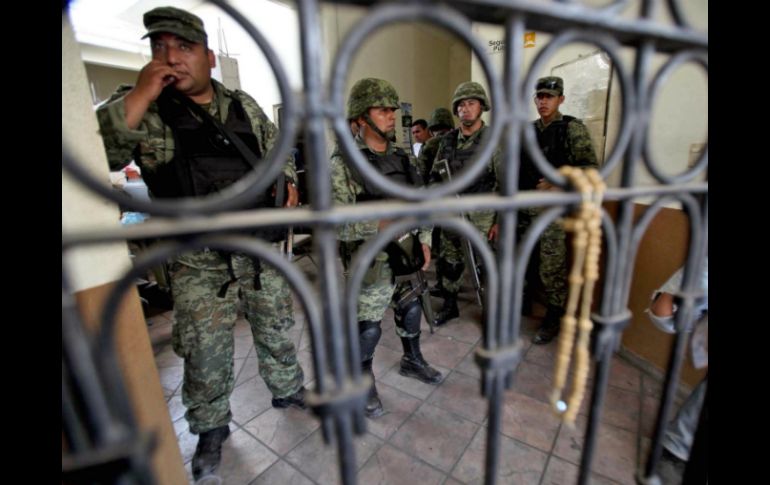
(208, 453)
(374, 407)
(414, 365)
(448, 311)
(550, 326)
(297, 400)
(438, 291)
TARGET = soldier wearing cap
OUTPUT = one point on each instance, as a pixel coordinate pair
(458, 147)
(373, 103)
(167, 123)
(564, 140)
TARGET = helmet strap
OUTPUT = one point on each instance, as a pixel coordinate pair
(371, 124)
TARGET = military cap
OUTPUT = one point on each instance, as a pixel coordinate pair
(175, 21)
(550, 84)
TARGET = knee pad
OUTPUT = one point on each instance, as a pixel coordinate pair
(369, 333)
(408, 318)
(450, 271)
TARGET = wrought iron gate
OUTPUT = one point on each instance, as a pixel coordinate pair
(102, 435)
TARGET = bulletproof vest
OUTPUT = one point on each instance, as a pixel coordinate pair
(458, 157)
(205, 160)
(553, 142)
(405, 255)
(395, 166)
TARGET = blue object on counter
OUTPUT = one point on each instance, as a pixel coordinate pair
(133, 218)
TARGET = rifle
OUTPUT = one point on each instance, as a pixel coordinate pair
(442, 166)
(419, 289)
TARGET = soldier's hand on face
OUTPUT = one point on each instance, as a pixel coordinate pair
(426, 253)
(493, 232)
(153, 77)
(292, 195)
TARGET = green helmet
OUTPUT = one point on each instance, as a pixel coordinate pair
(371, 92)
(470, 90)
(441, 117)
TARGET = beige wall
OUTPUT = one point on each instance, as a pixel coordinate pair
(91, 266)
(424, 63)
(94, 270)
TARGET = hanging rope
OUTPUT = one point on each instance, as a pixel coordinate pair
(586, 243)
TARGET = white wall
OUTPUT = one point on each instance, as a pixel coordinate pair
(95, 265)
(110, 34)
(279, 24)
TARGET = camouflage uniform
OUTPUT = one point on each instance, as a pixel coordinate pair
(457, 149)
(564, 141)
(552, 248)
(378, 288)
(203, 322)
(440, 118)
(451, 245)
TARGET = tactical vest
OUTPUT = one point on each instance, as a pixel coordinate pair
(205, 160)
(458, 157)
(405, 255)
(554, 143)
(395, 166)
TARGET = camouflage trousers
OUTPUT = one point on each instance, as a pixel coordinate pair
(203, 336)
(451, 263)
(551, 250)
(378, 292)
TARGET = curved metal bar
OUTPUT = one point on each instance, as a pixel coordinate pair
(372, 247)
(610, 235)
(612, 47)
(526, 245)
(690, 205)
(660, 78)
(455, 23)
(164, 251)
(238, 194)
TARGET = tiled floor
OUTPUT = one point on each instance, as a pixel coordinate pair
(429, 434)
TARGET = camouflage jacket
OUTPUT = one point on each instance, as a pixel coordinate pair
(156, 140)
(580, 149)
(464, 142)
(427, 154)
(156, 143)
(570, 146)
(345, 191)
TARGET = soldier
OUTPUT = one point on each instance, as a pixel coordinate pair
(564, 140)
(373, 103)
(167, 123)
(440, 123)
(457, 147)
